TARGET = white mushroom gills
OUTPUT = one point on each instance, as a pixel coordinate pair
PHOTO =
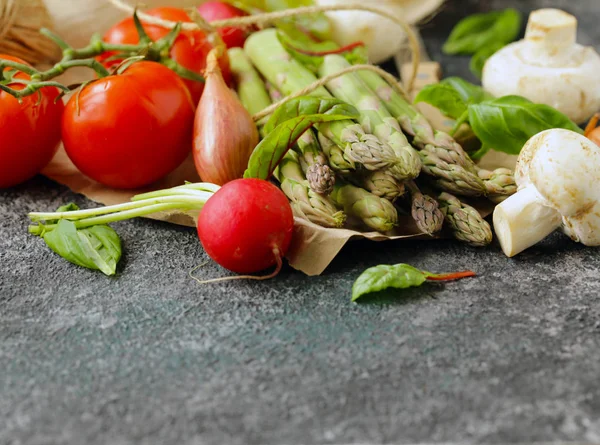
(548, 67)
(558, 174)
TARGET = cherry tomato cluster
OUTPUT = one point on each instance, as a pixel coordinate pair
(125, 130)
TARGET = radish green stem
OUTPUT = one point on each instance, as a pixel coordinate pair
(192, 189)
(198, 199)
(120, 216)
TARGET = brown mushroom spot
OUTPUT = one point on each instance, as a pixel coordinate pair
(530, 151)
(582, 99)
(584, 211)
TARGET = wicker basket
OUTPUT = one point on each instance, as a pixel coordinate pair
(20, 21)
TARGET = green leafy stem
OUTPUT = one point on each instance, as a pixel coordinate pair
(398, 276)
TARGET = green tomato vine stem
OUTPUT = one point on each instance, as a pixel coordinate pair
(146, 49)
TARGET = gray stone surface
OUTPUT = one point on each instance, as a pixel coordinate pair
(151, 357)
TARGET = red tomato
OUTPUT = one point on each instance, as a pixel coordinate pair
(129, 130)
(29, 131)
(214, 10)
(189, 50)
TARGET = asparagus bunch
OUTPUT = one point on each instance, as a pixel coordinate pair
(372, 158)
(289, 76)
(305, 202)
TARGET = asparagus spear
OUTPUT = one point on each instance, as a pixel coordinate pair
(374, 117)
(377, 213)
(425, 211)
(250, 87)
(338, 159)
(500, 183)
(381, 183)
(305, 202)
(466, 222)
(319, 174)
(289, 76)
(442, 157)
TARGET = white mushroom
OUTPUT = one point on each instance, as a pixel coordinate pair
(548, 67)
(558, 175)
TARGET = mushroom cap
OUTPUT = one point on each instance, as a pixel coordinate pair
(573, 89)
(564, 167)
(548, 67)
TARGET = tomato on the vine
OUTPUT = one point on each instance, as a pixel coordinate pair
(29, 131)
(129, 130)
(189, 50)
(232, 36)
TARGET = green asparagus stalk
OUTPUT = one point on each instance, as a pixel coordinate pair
(466, 222)
(500, 183)
(338, 159)
(376, 213)
(289, 76)
(442, 157)
(374, 117)
(250, 87)
(274, 93)
(425, 211)
(305, 202)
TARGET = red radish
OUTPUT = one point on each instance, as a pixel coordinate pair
(214, 10)
(247, 226)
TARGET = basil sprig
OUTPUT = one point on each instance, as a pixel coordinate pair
(503, 124)
(481, 35)
(96, 247)
(478, 31)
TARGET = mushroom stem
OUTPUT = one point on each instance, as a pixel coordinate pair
(550, 35)
(524, 220)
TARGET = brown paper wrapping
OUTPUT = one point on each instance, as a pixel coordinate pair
(313, 247)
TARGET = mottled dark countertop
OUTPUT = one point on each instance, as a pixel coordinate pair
(151, 357)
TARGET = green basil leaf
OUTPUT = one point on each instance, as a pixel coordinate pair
(478, 60)
(378, 278)
(470, 93)
(507, 123)
(271, 150)
(452, 96)
(443, 97)
(97, 247)
(309, 105)
(478, 31)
